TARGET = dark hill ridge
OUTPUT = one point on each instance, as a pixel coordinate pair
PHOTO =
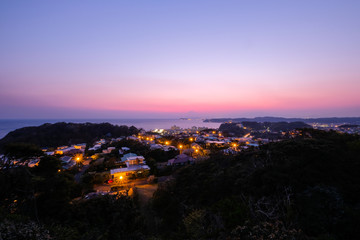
(234, 129)
(275, 126)
(52, 135)
(349, 120)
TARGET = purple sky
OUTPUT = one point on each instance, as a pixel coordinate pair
(164, 59)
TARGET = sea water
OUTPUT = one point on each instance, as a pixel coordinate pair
(8, 125)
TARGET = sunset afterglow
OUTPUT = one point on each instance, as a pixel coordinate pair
(174, 59)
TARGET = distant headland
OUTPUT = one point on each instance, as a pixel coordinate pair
(340, 120)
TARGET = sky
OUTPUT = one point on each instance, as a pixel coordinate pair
(166, 59)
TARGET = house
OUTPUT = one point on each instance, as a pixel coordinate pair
(123, 174)
(196, 148)
(215, 143)
(132, 138)
(253, 144)
(75, 151)
(59, 151)
(108, 150)
(64, 150)
(80, 146)
(134, 165)
(168, 148)
(100, 142)
(95, 147)
(49, 153)
(155, 146)
(66, 159)
(181, 159)
(33, 163)
(133, 159)
(62, 147)
(67, 162)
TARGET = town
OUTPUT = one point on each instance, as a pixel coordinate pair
(140, 162)
(139, 176)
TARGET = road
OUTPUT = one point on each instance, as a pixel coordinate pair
(77, 176)
(130, 184)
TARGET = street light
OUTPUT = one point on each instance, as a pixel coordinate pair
(180, 147)
(121, 179)
(77, 159)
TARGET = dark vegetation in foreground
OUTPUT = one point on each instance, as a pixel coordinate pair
(54, 135)
(304, 188)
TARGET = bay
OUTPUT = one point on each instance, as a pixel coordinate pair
(8, 125)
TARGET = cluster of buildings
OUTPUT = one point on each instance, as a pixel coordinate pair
(70, 155)
(134, 165)
(192, 144)
(342, 128)
(202, 139)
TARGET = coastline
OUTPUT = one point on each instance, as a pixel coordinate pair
(8, 125)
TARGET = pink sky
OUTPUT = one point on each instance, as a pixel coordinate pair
(125, 60)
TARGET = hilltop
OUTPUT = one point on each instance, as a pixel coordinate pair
(53, 135)
(350, 120)
(246, 127)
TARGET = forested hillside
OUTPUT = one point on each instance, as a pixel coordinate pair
(53, 135)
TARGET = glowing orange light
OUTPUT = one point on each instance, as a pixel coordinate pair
(191, 139)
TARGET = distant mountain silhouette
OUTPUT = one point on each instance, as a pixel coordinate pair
(234, 129)
(348, 120)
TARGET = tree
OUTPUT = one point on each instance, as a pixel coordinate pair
(48, 166)
(22, 150)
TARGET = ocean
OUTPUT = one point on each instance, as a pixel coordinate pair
(8, 125)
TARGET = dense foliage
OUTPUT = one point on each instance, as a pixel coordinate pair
(229, 129)
(307, 187)
(275, 126)
(53, 135)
